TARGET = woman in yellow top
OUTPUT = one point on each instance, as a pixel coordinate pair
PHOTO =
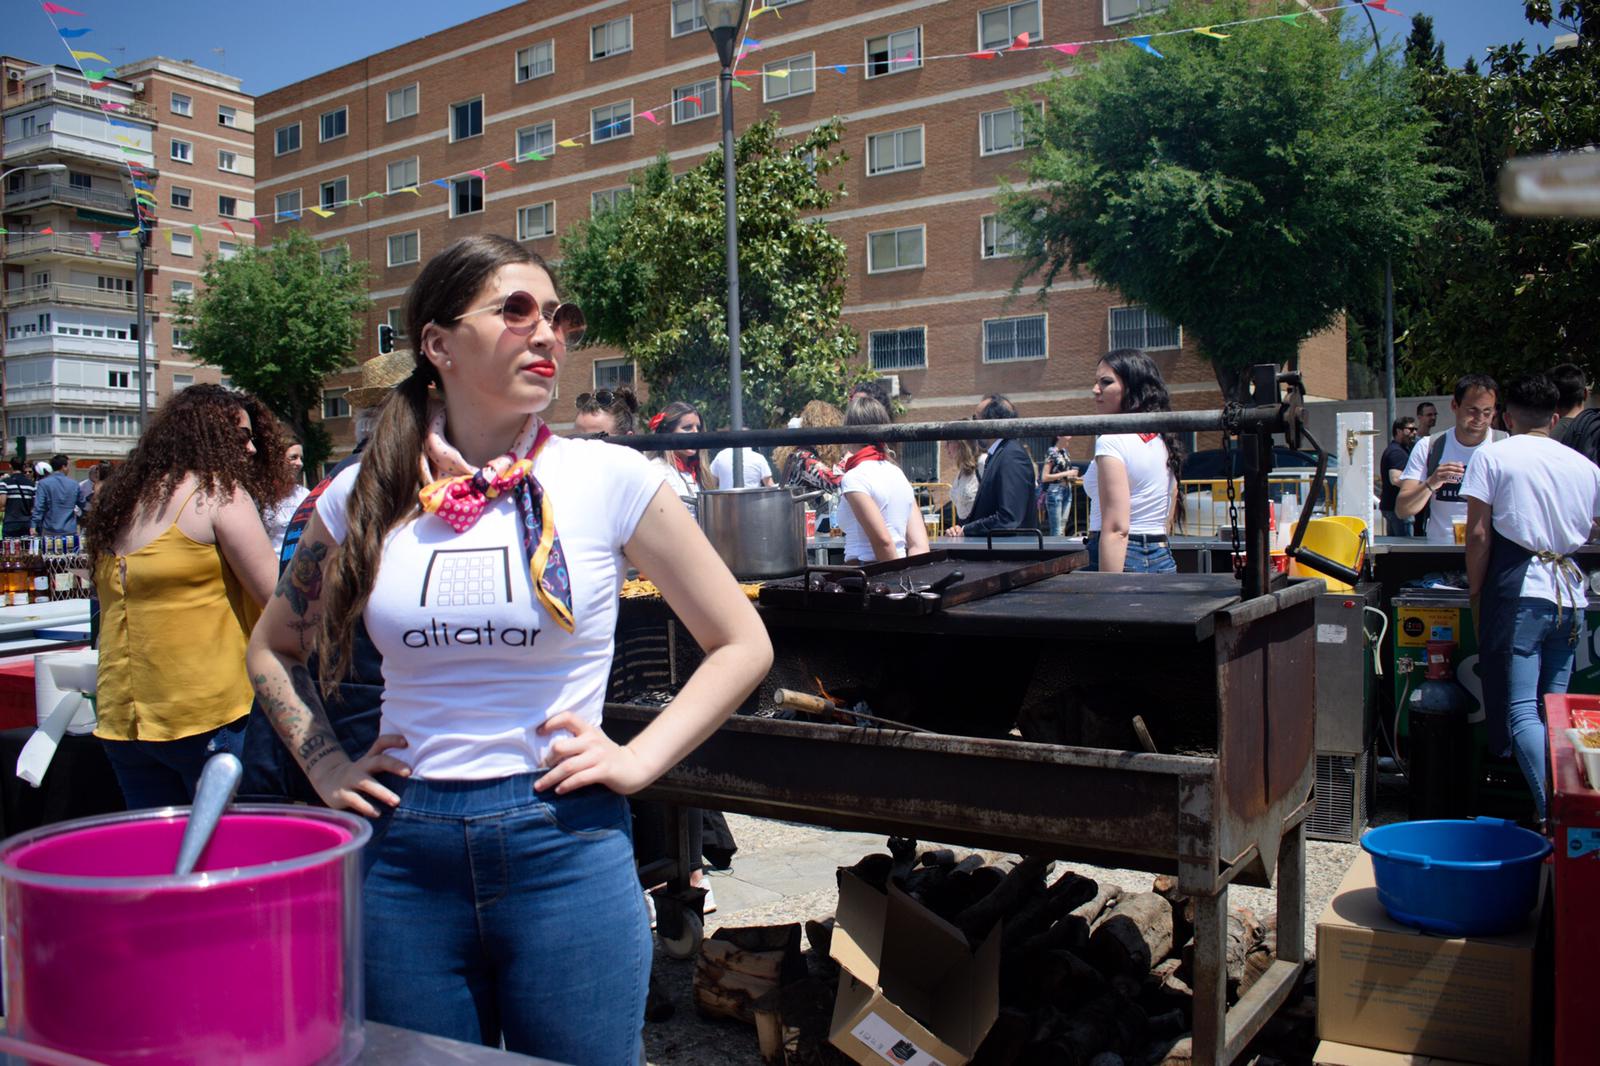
(182, 566)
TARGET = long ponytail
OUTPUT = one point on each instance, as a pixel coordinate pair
(1144, 390)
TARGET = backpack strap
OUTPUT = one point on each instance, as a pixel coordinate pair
(1435, 452)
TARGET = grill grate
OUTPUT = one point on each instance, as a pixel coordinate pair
(1343, 797)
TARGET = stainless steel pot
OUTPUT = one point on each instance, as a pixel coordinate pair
(760, 532)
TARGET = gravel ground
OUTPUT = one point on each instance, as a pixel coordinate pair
(686, 1039)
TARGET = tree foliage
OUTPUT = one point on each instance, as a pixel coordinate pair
(276, 320)
(1247, 188)
(652, 278)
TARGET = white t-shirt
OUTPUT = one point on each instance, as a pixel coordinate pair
(1545, 497)
(1446, 505)
(756, 467)
(1144, 456)
(279, 516)
(472, 662)
(886, 485)
(686, 487)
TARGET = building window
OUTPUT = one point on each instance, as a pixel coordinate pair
(466, 119)
(334, 124)
(76, 180)
(536, 61)
(181, 382)
(335, 258)
(182, 105)
(227, 249)
(227, 161)
(118, 425)
(182, 198)
(613, 373)
(540, 139)
(286, 206)
(334, 404)
(227, 116)
(182, 290)
(183, 244)
(1123, 10)
(688, 16)
(286, 139)
(894, 53)
(182, 151)
(405, 248)
(895, 249)
(228, 206)
(1004, 130)
(536, 221)
(333, 193)
(1137, 327)
(403, 174)
(119, 379)
(802, 78)
(180, 338)
(919, 461)
(607, 199)
(999, 26)
(401, 103)
(897, 150)
(396, 317)
(30, 426)
(1000, 240)
(898, 349)
(466, 196)
(1008, 340)
(690, 102)
(611, 38)
(611, 121)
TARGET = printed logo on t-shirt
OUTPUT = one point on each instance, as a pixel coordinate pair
(458, 578)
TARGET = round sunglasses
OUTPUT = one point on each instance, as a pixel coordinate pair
(521, 313)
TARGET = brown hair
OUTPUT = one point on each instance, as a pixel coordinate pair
(817, 413)
(965, 454)
(867, 410)
(385, 490)
(195, 432)
(667, 422)
(623, 409)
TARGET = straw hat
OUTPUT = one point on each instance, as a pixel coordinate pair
(379, 375)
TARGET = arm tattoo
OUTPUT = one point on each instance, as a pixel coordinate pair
(301, 582)
(296, 712)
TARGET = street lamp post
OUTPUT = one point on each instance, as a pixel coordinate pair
(724, 19)
(1388, 280)
(5, 423)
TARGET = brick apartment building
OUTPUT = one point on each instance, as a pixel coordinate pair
(69, 341)
(928, 139)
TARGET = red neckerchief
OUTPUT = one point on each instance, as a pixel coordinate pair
(690, 466)
(869, 454)
(1148, 437)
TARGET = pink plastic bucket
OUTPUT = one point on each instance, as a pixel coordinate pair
(254, 958)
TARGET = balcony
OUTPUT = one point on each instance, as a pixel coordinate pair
(80, 295)
(81, 446)
(72, 395)
(35, 246)
(65, 344)
(61, 192)
(75, 145)
(45, 91)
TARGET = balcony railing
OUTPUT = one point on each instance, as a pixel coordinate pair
(84, 295)
(53, 142)
(46, 91)
(81, 446)
(64, 193)
(84, 395)
(68, 244)
(27, 344)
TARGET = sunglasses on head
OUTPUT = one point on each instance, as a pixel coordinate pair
(600, 398)
(521, 313)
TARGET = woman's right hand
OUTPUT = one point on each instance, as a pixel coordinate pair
(344, 784)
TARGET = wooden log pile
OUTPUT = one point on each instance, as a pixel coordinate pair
(1091, 973)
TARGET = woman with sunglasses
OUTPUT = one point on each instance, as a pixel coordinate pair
(501, 901)
(607, 412)
(685, 469)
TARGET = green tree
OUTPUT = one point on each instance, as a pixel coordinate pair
(276, 320)
(652, 278)
(1248, 188)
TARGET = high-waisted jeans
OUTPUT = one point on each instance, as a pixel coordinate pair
(493, 911)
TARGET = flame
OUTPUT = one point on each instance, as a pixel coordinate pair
(830, 697)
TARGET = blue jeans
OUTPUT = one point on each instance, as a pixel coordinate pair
(1057, 508)
(164, 773)
(1395, 526)
(1518, 671)
(493, 911)
(1140, 559)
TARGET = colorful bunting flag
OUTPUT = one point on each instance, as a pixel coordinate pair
(1293, 20)
(57, 9)
(95, 75)
(478, 174)
(740, 85)
(369, 196)
(229, 228)
(1021, 41)
(412, 189)
(1207, 31)
(199, 235)
(257, 223)
(1383, 5)
(532, 155)
(751, 44)
(98, 84)
(841, 68)
(122, 124)
(777, 73)
(48, 232)
(94, 240)
(319, 212)
(569, 143)
(440, 182)
(1143, 42)
(1068, 49)
(909, 57)
(691, 98)
(501, 163)
(762, 10)
(88, 55)
(983, 55)
(112, 105)
(72, 34)
(650, 117)
(169, 237)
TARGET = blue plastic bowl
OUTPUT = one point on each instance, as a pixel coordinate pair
(1473, 877)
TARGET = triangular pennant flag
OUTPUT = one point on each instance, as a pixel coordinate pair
(532, 155)
(1293, 20)
(122, 124)
(94, 241)
(319, 212)
(89, 55)
(229, 228)
(740, 85)
(983, 55)
(198, 235)
(256, 222)
(1068, 49)
(751, 44)
(47, 232)
(130, 151)
(441, 182)
(98, 84)
(746, 73)
(1207, 31)
(112, 105)
(569, 143)
(1383, 5)
(57, 9)
(3, 231)
(412, 189)
(126, 140)
(501, 163)
(764, 10)
(71, 34)
(169, 238)
(691, 98)
(909, 57)
(1021, 41)
(95, 75)
(1143, 42)
(777, 73)
(841, 68)
(650, 117)
(369, 196)
(477, 173)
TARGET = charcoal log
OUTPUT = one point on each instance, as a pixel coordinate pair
(872, 869)
(904, 852)
(938, 857)
(1024, 880)
(1109, 1022)
(1133, 937)
(1007, 1039)
(819, 934)
(1166, 886)
(1070, 890)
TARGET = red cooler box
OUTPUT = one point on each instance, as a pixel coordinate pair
(1575, 829)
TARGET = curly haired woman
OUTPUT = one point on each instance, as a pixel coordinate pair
(182, 566)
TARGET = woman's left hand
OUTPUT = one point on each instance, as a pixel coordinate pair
(589, 757)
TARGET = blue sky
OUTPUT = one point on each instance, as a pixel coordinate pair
(301, 38)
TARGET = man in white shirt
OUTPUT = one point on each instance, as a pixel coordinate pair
(1433, 474)
(757, 471)
(1531, 504)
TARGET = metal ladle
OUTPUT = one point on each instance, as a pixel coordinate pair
(218, 782)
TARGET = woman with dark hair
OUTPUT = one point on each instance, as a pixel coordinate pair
(182, 566)
(686, 470)
(880, 520)
(485, 556)
(609, 412)
(1133, 481)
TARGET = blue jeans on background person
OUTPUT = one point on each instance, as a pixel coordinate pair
(164, 773)
(1142, 557)
(1395, 526)
(1057, 507)
(1532, 661)
(493, 911)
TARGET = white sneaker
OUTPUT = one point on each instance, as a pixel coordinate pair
(650, 906)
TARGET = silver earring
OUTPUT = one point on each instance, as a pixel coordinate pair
(449, 364)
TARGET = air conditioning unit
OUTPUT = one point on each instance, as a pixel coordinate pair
(892, 383)
(138, 87)
(13, 75)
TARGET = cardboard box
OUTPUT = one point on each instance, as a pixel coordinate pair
(1332, 1054)
(1384, 985)
(913, 992)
